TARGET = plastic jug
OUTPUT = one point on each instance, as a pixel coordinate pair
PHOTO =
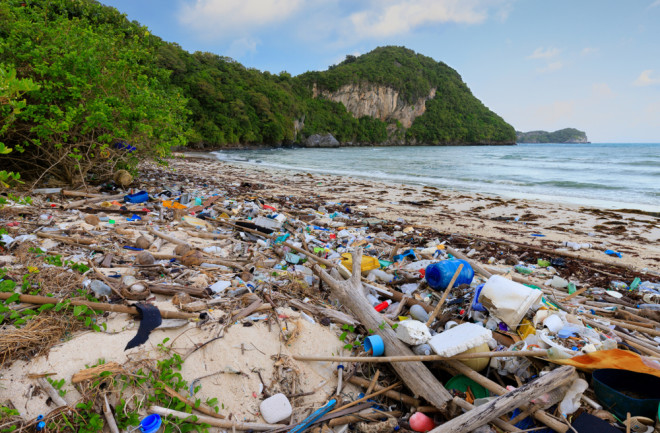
(438, 275)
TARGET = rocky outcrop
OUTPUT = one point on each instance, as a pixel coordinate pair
(566, 135)
(382, 102)
(318, 140)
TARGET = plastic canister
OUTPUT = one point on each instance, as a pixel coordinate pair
(476, 305)
(438, 275)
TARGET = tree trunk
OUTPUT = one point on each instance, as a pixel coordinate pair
(415, 375)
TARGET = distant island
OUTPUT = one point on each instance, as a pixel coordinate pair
(566, 135)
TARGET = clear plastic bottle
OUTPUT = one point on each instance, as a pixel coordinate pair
(654, 307)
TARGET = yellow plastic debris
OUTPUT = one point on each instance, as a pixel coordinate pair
(368, 263)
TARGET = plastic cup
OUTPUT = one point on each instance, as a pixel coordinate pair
(374, 345)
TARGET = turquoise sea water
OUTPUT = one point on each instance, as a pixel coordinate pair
(600, 174)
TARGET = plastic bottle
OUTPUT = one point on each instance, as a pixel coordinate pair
(654, 307)
(523, 269)
(438, 275)
(619, 285)
(422, 349)
(419, 313)
(381, 275)
(647, 285)
(383, 305)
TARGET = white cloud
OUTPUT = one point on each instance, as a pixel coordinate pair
(547, 53)
(558, 110)
(241, 47)
(590, 50)
(392, 17)
(602, 90)
(654, 4)
(645, 79)
(551, 67)
(214, 18)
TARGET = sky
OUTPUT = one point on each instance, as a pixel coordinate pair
(588, 64)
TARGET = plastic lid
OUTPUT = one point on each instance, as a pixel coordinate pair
(151, 423)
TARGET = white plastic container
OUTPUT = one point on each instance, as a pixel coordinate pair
(507, 300)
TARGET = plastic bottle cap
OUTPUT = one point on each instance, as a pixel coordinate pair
(151, 423)
(374, 344)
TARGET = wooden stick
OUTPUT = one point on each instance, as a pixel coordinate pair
(626, 325)
(497, 421)
(52, 392)
(41, 300)
(201, 408)
(374, 382)
(487, 412)
(444, 295)
(366, 397)
(456, 367)
(70, 193)
(67, 239)
(411, 358)
(574, 294)
(168, 238)
(394, 395)
(478, 269)
(112, 424)
(223, 423)
(375, 416)
(93, 200)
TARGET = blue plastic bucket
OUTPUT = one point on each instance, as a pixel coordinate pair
(439, 275)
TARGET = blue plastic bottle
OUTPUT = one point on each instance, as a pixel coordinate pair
(438, 275)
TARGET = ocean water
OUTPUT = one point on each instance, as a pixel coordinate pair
(621, 175)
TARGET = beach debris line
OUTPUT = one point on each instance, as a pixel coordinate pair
(257, 311)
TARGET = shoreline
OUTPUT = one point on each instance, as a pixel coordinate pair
(615, 206)
(636, 236)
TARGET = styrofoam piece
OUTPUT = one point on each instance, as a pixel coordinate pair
(275, 409)
(220, 286)
(507, 300)
(413, 332)
(459, 339)
(267, 223)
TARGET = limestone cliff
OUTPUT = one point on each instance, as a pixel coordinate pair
(376, 101)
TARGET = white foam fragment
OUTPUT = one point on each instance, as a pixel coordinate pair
(460, 338)
(413, 332)
(275, 409)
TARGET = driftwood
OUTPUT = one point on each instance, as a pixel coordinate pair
(412, 358)
(41, 300)
(456, 367)
(394, 395)
(215, 422)
(79, 203)
(52, 392)
(94, 372)
(497, 421)
(415, 375)
(173, 289)
(109, 418)
(487, 412)
(201, 408)
(335, 315)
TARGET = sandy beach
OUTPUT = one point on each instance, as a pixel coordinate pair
(634, 235)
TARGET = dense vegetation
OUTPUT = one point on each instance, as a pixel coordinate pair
(567, 135)
(96, 83)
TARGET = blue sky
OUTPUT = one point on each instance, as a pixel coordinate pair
(589, 64)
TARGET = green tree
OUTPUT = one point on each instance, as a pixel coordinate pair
(98, 85)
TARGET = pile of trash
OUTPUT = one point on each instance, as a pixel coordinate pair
(357, 323)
